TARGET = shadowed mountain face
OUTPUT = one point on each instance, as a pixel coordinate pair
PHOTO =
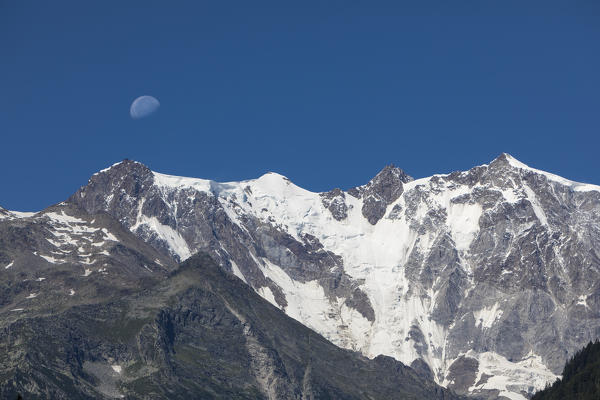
(63, 256)
(487, 280)
(197, 332)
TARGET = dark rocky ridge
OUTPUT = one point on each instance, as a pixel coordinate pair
(200, 333)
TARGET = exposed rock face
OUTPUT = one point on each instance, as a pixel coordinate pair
(335, 202)
(198, 333)
(492, 272)
(63, 256)
(383, 190)
(463, 373)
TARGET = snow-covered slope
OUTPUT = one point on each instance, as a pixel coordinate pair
(490, 276)
(63, 256)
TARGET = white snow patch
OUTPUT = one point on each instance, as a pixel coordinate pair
(51, 259)
(170, 181)
(71, 292)
(354, 322)
(511, 196)
(54, 242)
(21, 214)
(486, 317)
(32, 296)
(176, 243)
(17, 309)
(87, 272)
(236, 271)
(64, 218)
(117, 368)
(307, 303)
(537, 208)
(582, 300)
(9, 265)
(88, 261)
(267, 294)
(109, 236)
(463, 222)
(529, 374)
(106, 169)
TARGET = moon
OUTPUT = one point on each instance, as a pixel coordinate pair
(143, 106)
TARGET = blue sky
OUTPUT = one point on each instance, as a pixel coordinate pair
(326, 93)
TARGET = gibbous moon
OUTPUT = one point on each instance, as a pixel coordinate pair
(143, 106)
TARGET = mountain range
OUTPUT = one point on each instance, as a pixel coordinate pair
(483, 281)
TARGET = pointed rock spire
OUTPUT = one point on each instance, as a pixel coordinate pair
(381, 191)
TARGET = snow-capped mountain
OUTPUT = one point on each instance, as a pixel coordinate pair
(486, 279)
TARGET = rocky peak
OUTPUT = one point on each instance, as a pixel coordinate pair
(505, 161)
(388, 183)
(504, 171)
(128, 176)
(382, 190)
(505, 167)
(116, 190)
(126, 167)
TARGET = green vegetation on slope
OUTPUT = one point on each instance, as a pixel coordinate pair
(580, 377)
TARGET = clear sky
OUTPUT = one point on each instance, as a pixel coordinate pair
(324, 92)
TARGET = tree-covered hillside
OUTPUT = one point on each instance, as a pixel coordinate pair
(580, 377)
